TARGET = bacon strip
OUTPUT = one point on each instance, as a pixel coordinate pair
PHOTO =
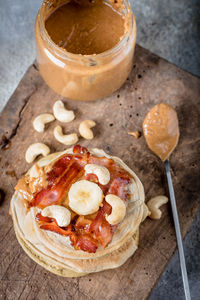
(78, 149)
(86, 243)
(119, 187)
(101, 229)
(55, 194)
(59, 168)
(41, 218)
(91, 177)
(83, 224)
(51, 225)
(78, 235)
(55, 228)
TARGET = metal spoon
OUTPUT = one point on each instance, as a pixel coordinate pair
(161, 131)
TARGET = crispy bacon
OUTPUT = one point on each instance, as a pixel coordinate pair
(87, 243)
(83, 223)
(104, 233)
(81, 155)
(55, 228)
(43, 219)
(103, 161)
(55, 194)
(78, 149)
(81, 160)
(59, 168)
(78, 235)
(91, 177)
(51, 224)
(118, 187)
(100, 227)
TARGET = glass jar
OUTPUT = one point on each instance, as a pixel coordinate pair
(84, 77)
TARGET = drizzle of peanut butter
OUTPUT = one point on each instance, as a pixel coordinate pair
(161, 130)
(27, 186)
(86, 26)
(23, 188)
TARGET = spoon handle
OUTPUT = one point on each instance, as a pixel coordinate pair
(178, 232)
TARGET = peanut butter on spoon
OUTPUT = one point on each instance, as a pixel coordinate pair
(161, 130)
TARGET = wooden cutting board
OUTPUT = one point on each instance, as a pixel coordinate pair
(152, 80)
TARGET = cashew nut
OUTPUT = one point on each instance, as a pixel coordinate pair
(101, 172)
(84, 129)
(58, 212)
(61, 113)
(40, 121)
(154, 204)
(36, 149)
(118, 209)
(66, 139)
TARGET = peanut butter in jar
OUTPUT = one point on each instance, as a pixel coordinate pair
(85, 47)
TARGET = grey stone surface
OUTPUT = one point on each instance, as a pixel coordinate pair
(168, 28)
(171, 29)
(170, 285)
(17, 45)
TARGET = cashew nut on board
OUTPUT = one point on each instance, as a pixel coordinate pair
(66, 139)
(58, 212)
(101, 172)
(84, 129)
(118, 209)
(61, 113)
(36, 149)
(154, 205)
(40, 121)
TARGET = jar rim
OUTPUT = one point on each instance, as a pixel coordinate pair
(74, 57)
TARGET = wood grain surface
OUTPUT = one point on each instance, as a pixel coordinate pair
(152, 80)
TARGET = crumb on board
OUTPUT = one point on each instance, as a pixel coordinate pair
(136, 134)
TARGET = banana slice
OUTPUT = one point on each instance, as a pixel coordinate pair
(85, 197)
